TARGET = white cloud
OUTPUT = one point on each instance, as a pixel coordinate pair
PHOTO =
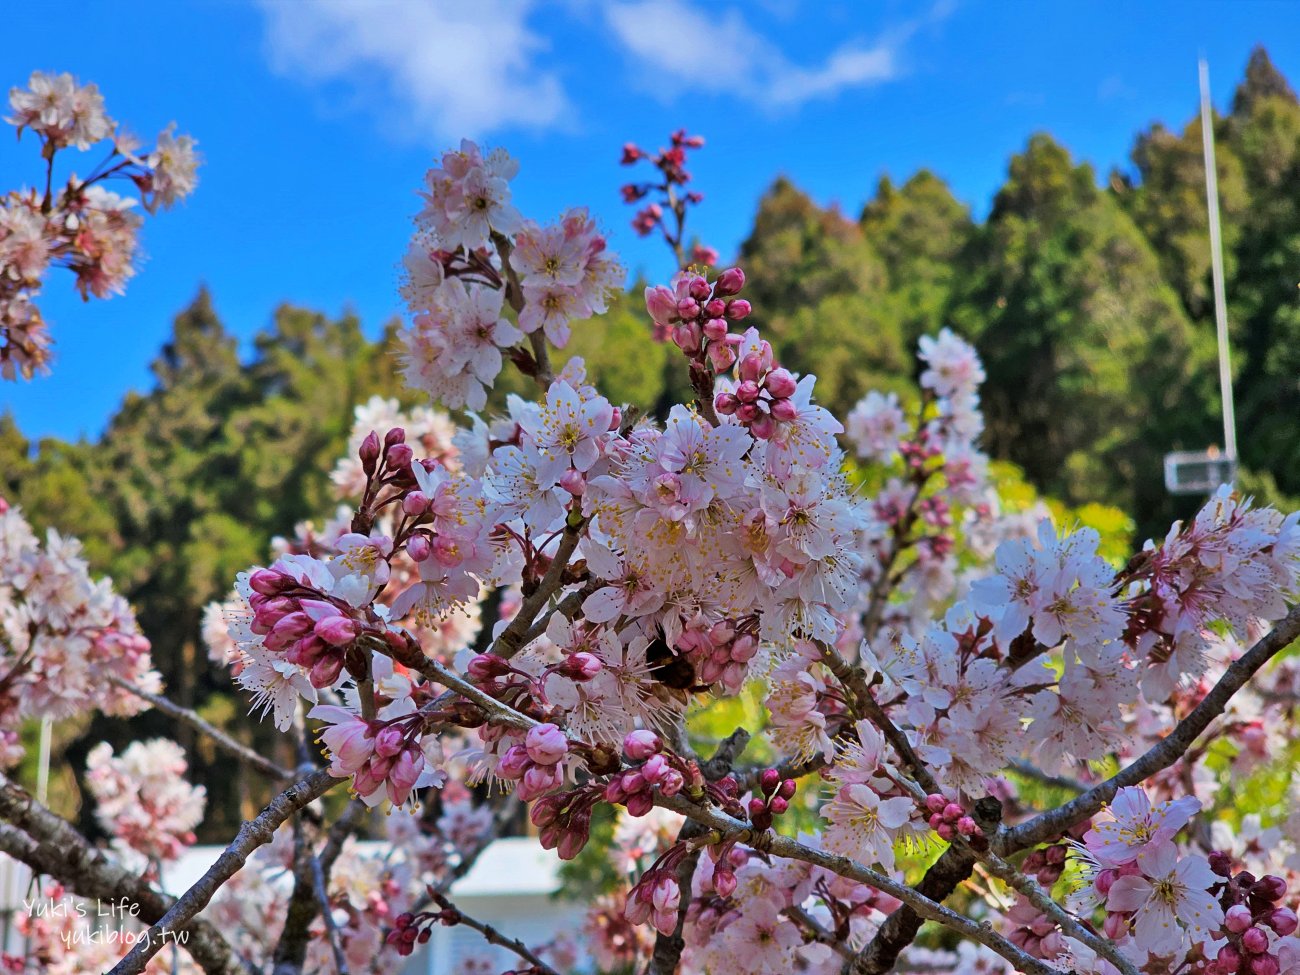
(685, 47)
(430, 69)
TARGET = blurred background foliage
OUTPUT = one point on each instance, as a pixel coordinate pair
(1088, 298)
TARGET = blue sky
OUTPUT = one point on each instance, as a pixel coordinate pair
(318, 118)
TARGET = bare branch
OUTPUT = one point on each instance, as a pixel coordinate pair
(52, 846)
(251, 835)
(219, 737)
(495, 937)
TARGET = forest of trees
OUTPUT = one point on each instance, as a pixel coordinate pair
(1089, 301)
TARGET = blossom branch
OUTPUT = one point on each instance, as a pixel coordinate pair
(252, 834)
(783, 846)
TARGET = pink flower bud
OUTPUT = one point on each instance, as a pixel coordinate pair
(538, 780)
(784, 410)
(546, 810)
(1055, 854)
(966, 826)
(671, 782)
(769, 780)
(780, 383)
(269, 582)
(724, 883)
(729, 282)
(615, 417)
(777, 806)
(687, 337)
(1105, 880)
(688, 308)
(415, 504)
(715, 308)
(1269, 887)
(1264, 965)
(326, 671)
(935, 802)
(1283, 921)
(757, 807)
(936, 820)
(763, 427)
(715, 329)
(752, 367)
(404, 774)
(640, 803)
(654, 768)
(737, 309)
(573, 481)
(571, 844)
(399, 455)
(487, 666)
(389, 741)
(1228, 959)
(582, 666)
(1254, 940)
(747, 391)
(699, 288)
(514, 763)
(394, 436)
(726, 404)
(946, 832)
(641, 744)
(546, 744)
(369, 452)
(661, 304)
(787, 789)
(337, 631)
(418, 548)
(953, 812)
(1238, 918)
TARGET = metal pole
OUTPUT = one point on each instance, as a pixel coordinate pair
(1216, 265)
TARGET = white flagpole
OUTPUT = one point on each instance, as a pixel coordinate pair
(1216, 264)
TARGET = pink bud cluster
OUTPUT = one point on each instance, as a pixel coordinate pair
(564, 819)
(668, 200)
(635, 788)
(949, 819)
(762, 400)
(377, 754)
(1046, 863)
(537, 764)
(774, 800)
(720, 653)
(1253, 912)
(657, 896)
(695, 313)
(310, 629)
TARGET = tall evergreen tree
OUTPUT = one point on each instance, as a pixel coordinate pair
(1094, 371)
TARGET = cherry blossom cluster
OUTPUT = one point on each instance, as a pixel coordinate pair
(82, 225)
(471, 257)
(62, 634)
(142, 798)
(667, 196)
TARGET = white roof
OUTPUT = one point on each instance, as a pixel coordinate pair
(516, 865)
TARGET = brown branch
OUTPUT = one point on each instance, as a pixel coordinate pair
(928, 909)
(251, 835)
(1051, 824)
(49, 845)
(495, 937)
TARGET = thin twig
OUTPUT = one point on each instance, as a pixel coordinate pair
(219, 737)
(251, 835)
